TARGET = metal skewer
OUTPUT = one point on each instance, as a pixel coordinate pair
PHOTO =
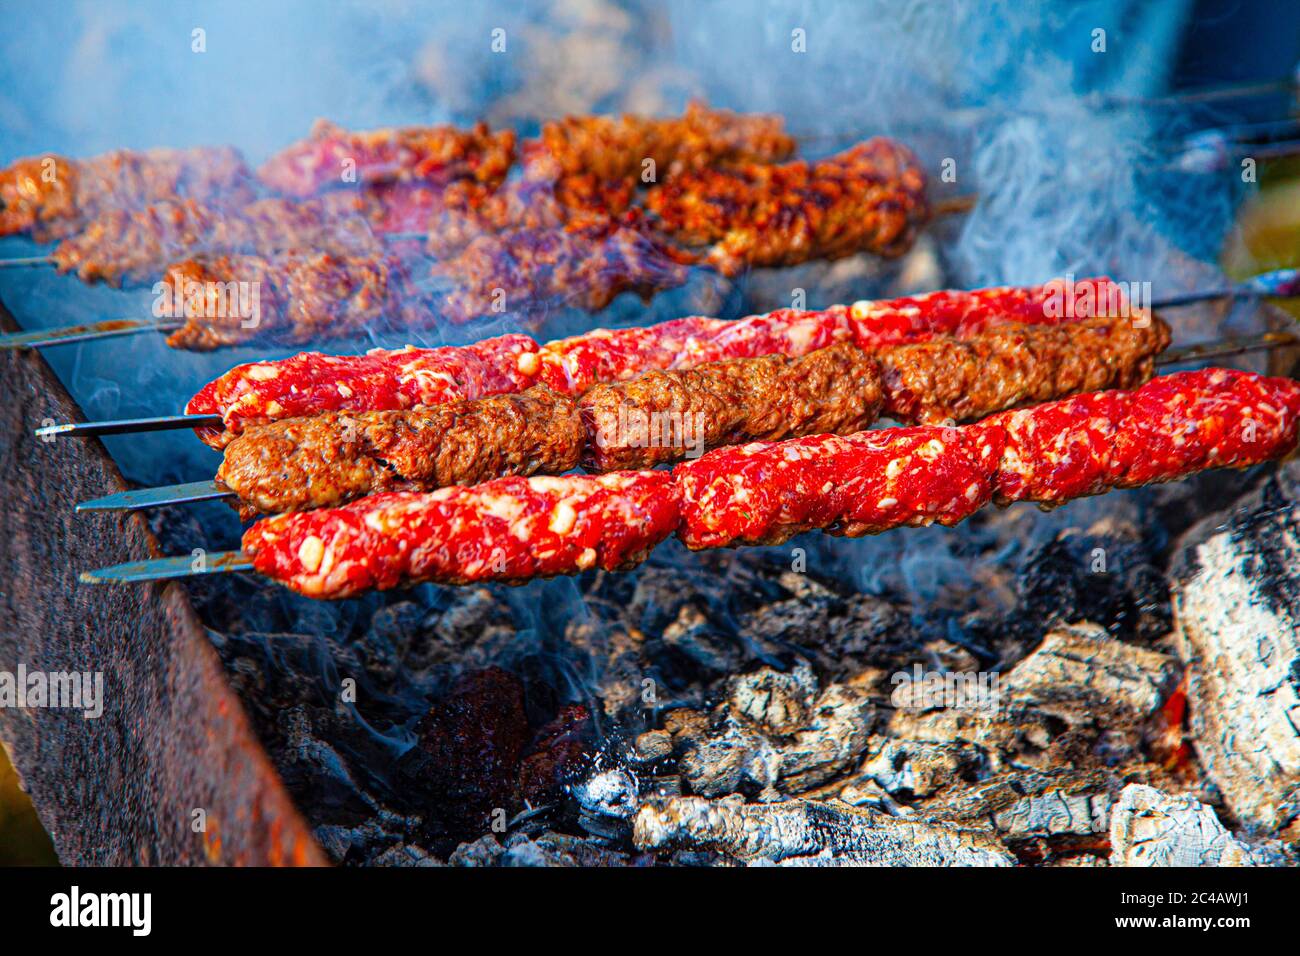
(23, 262)
(142, 498)
(36, 338)
(164, 569)
(123, 426)
(1280, 283)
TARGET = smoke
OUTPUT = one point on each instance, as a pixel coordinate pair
(1008, 96)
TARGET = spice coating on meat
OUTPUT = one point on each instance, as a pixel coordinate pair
(227, 300)
(53, 197)
(766, 493)
(870, 198)
(537, 202)
(665, 416)
(951, 379)
(531, 271)
(510, 529)
(575, 364)
(126, 246)
(617, 147)
(310, 383)
(327, 459)
(436, 154)
(1170, 427)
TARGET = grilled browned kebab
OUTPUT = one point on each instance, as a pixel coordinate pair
(332, 156)
(870, 198)
(294, 298)
(52, 197)
(134, 246)
(564, 233)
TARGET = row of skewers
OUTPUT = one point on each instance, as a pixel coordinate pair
(451, 465)
(434, 229)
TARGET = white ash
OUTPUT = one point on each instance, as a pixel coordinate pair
(775, 734)
(1082, 664)
(808, 833)
(910, 768)
(610, 793)
(1151, 828)
(1034, 805)
(1237, 607)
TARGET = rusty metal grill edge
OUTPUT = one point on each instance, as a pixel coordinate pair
(173, 738)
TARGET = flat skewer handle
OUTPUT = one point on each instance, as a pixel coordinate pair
(122, 426)
(164, 569)
(26, 262)
(36, 338)
(139, 499)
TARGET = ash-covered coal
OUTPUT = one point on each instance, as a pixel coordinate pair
(533, 726)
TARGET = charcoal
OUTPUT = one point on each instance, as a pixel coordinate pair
(465, 762)
(1108, 574)
(777, 733)
(1080, 667)
(1047, 816)
(909, 770)
(1080, 699)
(610, 793)
(559, 753)
(547, 849)
(718, 755)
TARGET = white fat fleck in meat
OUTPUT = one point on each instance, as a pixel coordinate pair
(563, 517)
(506, 507)
(931, 449)
(344, 390)
(528, 363)
(552, 485)
(587, 559)
(973, 491)
(310, 553)
(800, 335)
(617, 482)
(263, 373)
(327, 560)
(274, 408)
(886, 502)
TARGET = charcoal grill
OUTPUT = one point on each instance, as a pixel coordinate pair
(122, 789)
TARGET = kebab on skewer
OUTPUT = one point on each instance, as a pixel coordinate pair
(870, 198)
(129, 247)
(52, 197)
(301, 297)
(334, 156)
(585, 170)
(515, 529)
